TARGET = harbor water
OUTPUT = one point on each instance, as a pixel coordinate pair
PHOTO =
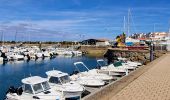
(12, 72)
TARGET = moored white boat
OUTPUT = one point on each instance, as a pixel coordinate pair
(93, 72)
(60, 81)
(114, 71)
(33, 88)
(90, 81)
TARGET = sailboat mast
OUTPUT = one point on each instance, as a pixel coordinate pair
(2, 38)
(15, 35)
(128, 23)
(169, 33)
(124, 24)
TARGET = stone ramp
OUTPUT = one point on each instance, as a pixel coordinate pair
(154, 84)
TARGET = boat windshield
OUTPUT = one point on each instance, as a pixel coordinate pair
(54, 80)
(65, 79)
(46, 86)
(81, 67)
(37, 88)
(27, 88)
(102, 63)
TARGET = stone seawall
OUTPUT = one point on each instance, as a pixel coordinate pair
(94, 51)
(142, 56)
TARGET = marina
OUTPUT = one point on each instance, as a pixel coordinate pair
(22, 69)
(84, 50)
(92, 73)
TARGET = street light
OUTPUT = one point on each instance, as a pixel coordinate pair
(151, 50)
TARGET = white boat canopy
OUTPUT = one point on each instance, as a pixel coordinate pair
(56, 73)
(33, 80)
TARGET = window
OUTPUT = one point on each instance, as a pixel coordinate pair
(27, 89)
(37, 88)
(54, 80)
(65, 79)
(46, 85)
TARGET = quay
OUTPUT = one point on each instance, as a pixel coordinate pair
(149, 82)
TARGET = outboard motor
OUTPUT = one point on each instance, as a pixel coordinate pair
(11, 90)
(28, 57)
(74, 72)
(4, 56)
(51, 55)
(43, 56)
(36, 57)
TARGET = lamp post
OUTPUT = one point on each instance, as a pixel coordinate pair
(151, 51)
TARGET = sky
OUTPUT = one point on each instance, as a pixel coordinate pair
(76, 20)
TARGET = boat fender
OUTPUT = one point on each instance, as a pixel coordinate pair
(35, 97)
(47, 92)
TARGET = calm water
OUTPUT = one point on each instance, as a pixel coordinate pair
(11, 73)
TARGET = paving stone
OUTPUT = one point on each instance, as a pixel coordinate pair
(154, 84)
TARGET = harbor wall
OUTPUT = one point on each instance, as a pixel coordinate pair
(94, 51)
(142, 56)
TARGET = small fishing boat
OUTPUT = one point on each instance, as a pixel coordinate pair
(60, 81)
(34, 87)
(93, 72)
(113, 71)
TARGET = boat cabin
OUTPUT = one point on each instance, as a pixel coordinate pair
(35, 84)
(57, 77)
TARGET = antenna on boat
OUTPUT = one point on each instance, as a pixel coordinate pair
(53, 68)
(24, 75)
(30, 75)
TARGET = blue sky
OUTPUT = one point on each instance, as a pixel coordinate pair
(58, 20)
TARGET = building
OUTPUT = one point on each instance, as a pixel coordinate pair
(158, 36)
(102, 42)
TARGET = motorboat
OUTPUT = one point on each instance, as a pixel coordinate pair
(93, 72)
(120, 64)
(60, 81)
(38, 54)
(129, 63)
(34, 87)
(15, 56)
(77, 53)
(46, 54)
(113, 71)
(68, 52)
(135, 63)
(89, 81)
(60, 51)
